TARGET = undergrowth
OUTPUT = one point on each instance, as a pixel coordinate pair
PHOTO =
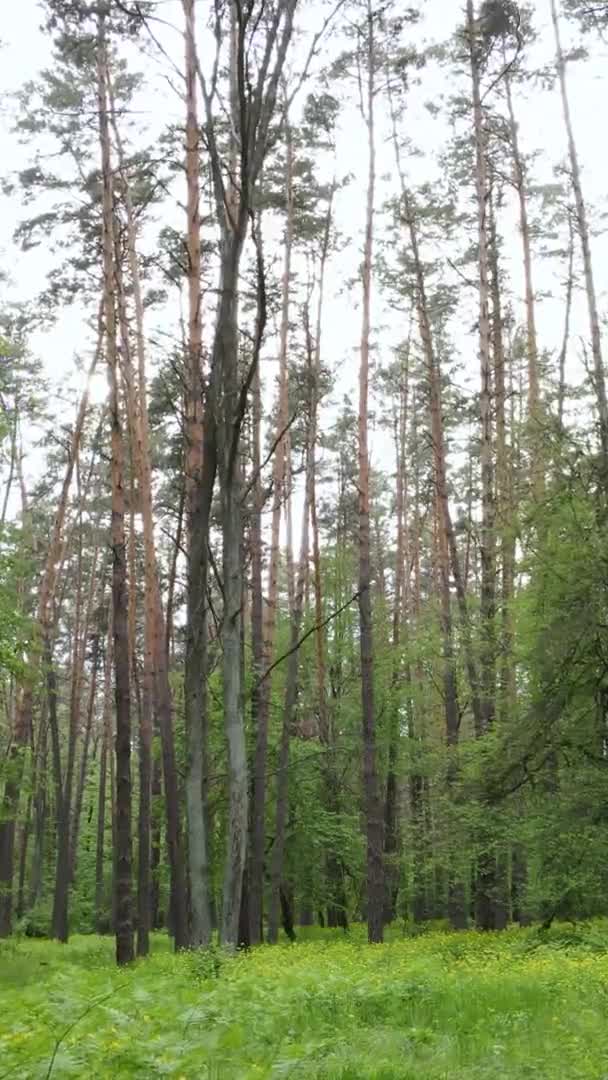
(438, 1005)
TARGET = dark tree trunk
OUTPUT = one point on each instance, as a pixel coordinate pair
(120, 595)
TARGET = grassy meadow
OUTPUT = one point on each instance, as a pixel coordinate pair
(439, 1005)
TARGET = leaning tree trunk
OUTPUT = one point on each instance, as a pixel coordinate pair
(24, 713)
(584, 234)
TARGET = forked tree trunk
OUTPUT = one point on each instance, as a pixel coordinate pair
(250, 117)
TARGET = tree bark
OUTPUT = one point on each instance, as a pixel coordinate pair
(198, 499)
(485, 880)
(256, 863)
(155, 633)
(584, 234)
(534, 409)
(289, 709)
(372, 800)
(120, 599)
(106, 743)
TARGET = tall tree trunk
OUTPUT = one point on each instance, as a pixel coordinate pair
(506, 529)
(120, 599)
(256, 868)
(505, 508)
(447, 552)
(84, 759)
(487, 532)
(372, 800)
(255, 873)
(59, 920)
(155, 631)
(486, 869)
(563, 355)
(584, 234)
(534, 409)
(198, 502)
(391, 827)
(106, 744)
(230, 487)
(289, 709)
(40, 810)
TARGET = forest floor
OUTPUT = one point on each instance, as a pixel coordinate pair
(440, 1005)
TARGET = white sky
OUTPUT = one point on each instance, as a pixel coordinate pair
(26, 50)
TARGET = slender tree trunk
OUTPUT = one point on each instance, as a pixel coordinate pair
(391, 827)
(123, 883)
(24, 713)
(177, 547)
(60, 920)
(26, 829)
(289, 710)
(584, 234)
(485, 881)
(256, 862)
(487, 532)
(230, 487)
(40, 814)
(156, 841)
(106, 744)
(446, 551)
(84, 760)
(561, 392)
(373, 804)
(534, 409)
(14, 429)
(155, 628)
(259, 721)
(198, 503)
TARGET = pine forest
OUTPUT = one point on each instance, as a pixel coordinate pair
(303, 539)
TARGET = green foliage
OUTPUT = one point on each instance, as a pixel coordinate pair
(523, 1003)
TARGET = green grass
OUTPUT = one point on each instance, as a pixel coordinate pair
(437, 1006)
